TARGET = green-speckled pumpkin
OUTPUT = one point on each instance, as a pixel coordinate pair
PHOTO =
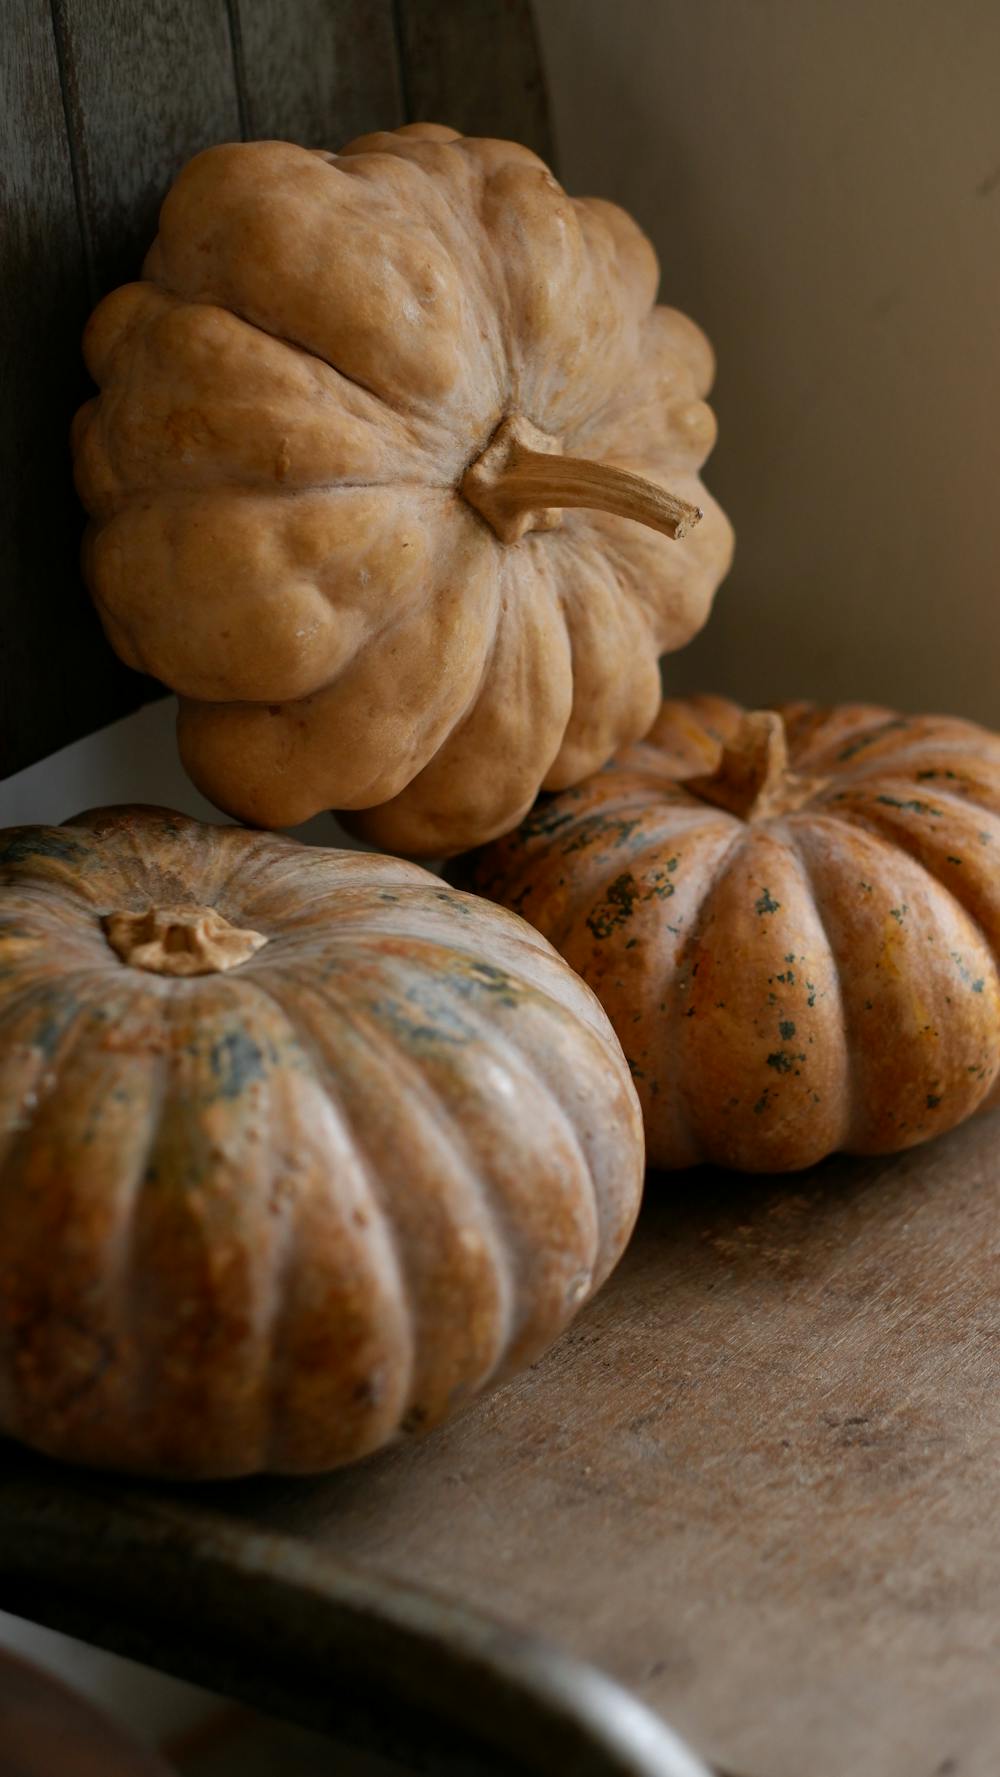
(792, 919)
(298, 1148)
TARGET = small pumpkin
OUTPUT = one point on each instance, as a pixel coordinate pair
(792, 918)
(299, 1149)
(392, 474)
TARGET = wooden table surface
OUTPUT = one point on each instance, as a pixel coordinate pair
(754, 1483)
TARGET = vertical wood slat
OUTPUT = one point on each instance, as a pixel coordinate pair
(317, 72)
(148, 83)
(475, 64)
(58, 678)
(110, 97)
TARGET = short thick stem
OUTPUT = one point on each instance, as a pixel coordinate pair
(753, 779)
(522, 482)
(180, 940)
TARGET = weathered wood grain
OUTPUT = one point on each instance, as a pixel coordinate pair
(58, 677)
(101, 104)
(475, 64)
(755, 1482)
(147, 83)
(318, 72)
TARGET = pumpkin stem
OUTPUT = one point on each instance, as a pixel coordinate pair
(521, 481)
(179, 940)
(753, 779)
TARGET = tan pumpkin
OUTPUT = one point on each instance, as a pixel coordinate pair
(792, 919)
(391, 473)
(299, 1148)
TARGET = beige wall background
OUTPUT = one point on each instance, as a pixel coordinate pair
(821, 179)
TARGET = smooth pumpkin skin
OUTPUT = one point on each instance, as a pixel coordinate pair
(805, 981)
(321, 347)
(270, 1218)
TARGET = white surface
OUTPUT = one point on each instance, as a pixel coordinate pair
(822, 181)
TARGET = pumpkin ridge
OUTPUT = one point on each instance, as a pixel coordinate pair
(497, 1038)
(323, 1067)
(48, 987)
(168, 1374)
(984, 811)
(409, 804)
(819, 738)
(936, 892)
(922, 788)
(494, 1036)
(904, 839)
(692, 938)
(323, 1073)
(487, 1199)
(485, 253)
(468, 1171)
(142, 1356)
(594, 892)
(68, 1390)
(662, 987)
(284, 339)
(846, 1038)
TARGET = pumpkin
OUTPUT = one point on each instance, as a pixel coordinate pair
(392, 473)
(299, 1149)
(792, 918)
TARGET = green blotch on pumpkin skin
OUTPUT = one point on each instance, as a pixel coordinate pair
(914, 804)
(933, 1100)
(617, 908)
(546, 817)
(38, 842)
(765, 903)
(236, 1061)
(781, 1061)
(869, 739)
(480, 977)
(786, 1030)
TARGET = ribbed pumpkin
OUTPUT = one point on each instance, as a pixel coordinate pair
(298, 1148)
(792, 918)
(391, 473)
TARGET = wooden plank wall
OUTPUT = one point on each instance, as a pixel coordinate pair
(101, 102)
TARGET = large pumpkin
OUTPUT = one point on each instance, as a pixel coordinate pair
(792, 919)
(298, 1148)
(390, 474)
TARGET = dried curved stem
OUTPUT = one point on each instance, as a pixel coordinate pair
(517, 486)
